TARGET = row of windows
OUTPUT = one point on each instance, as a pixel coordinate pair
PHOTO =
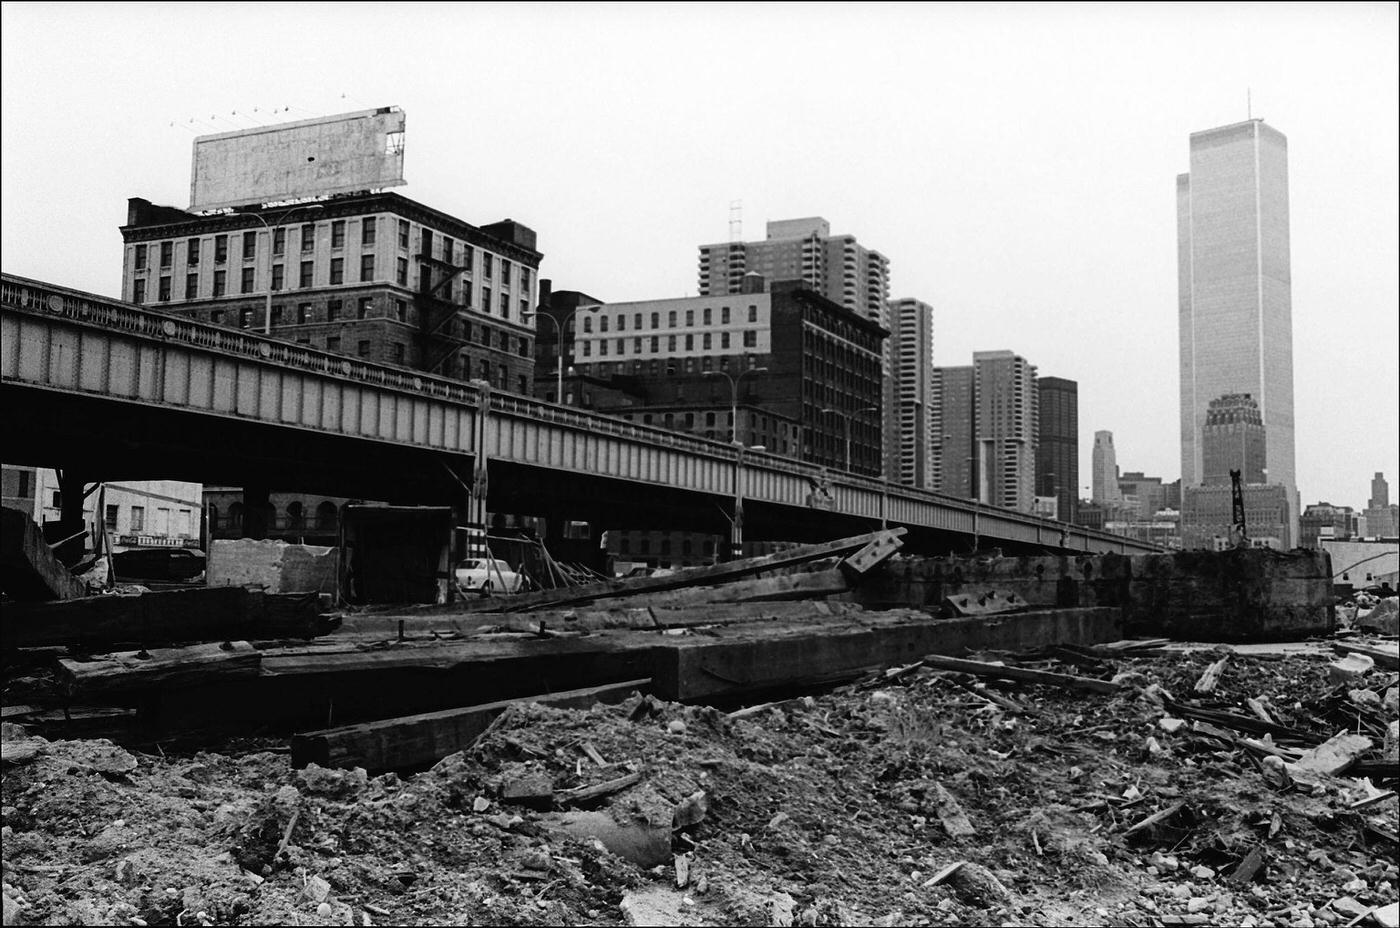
(653, 367)
(672, 316)
(640, 344)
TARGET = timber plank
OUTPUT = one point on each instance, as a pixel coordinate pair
(982, 669)
(418, 739)
(161, 667)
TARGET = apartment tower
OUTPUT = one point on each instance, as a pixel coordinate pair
(1007, 426)
(911, 323)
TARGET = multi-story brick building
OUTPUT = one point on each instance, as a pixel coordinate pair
(658, 362)
(374, 275)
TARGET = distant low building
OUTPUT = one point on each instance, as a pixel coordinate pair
(135, 513)
(1323, 521)
(1207, 517)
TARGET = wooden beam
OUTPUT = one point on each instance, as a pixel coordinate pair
(693, 576)
(1026, 675)
(29, 570)
(414, 740)
(161, 667)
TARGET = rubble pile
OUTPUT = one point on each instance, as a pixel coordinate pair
(1200, 787)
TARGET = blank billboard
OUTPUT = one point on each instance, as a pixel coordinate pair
(312, 157)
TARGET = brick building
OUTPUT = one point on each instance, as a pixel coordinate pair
(374, 275)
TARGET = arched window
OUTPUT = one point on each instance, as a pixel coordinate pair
(235, 515)
(296, 514)
(213, 517)
(327, 515)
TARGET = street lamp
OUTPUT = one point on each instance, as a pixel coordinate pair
(736, 524)
(734, 395)
(559, 343)
(267, 314)
(846, 421)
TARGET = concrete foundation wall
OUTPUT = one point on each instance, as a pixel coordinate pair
(1250, 595)
(273, 565)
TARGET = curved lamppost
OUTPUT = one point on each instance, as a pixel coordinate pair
(559, 328)
(267, 313)
(736, 524)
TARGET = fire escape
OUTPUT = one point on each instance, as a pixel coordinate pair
(439, 335)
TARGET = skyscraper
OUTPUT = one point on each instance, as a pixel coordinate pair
(1057, 450)
(911, 322)
(1233, 438)
(1105, 462)
(1234, 291)
(954, 393)
(1006, 427)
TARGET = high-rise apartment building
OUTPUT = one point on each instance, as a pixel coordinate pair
(836, 266)
(1105, 463)
(911, 325)
(1233, 438)
(1057, 449)
(954, 410)
(1234, 292)
(1006, 428)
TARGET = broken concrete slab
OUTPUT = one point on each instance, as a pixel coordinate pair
(1334, 755)
(29, 570)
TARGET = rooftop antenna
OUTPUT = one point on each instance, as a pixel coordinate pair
(736, 220)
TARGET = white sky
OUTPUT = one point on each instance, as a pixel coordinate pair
(1016, 163)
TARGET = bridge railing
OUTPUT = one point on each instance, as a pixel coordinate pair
(38, 297)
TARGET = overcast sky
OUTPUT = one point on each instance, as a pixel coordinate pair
(1016, 163)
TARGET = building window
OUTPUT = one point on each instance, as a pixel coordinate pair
(398, 353)
(485, 368)
(504, 380)
(723, 340)
(138, 519)
(304, 313)
(525, 285)
(705, 341)
(192, 252)
(363, 349)
(362, 311)
(401, 310)
(505, 273)
(655, 344)
(167, 253)
(337, 270)
(138, 291)
(164, 292)
(306, 272)
(690, 317)
(276, 314)
(655, 320)
(403, 233)
(110, 517)
(245, 318)
(447, 248)
(724, 315)
(250, 245)
(670, 343)
(446, 289)
(338, 234)
(191, 286)
(140, 257)
(524, 347)
(602, 324)
(217, 317)
(368, 227)
(246, 285)
(486, 299)
(279, 240)
(522, 385)
(401, 272)
(332, 310)
(753, 313)
(671, 319)
(705, 316)
(333, 343)
(486, 261)
(308, 237)
(427, 243)
(486, 336)
(220, 249)
(467, 252)
(277, 277)
(524, 308)
(689, 342)
(366, 267)
(220, 282)
(750, 339)
(587, 348)
(505, 340)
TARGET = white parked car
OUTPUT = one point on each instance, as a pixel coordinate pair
(488, 575)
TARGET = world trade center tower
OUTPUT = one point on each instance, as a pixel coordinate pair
(1234, 292)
